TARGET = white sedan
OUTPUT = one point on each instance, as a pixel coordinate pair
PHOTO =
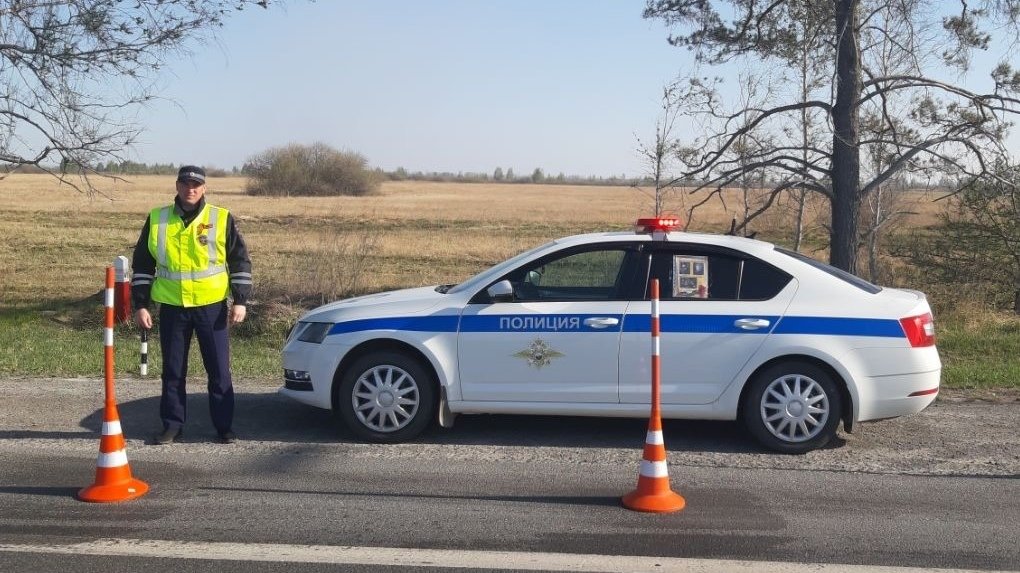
(749, 331)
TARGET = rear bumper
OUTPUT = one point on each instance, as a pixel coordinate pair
(891, 396)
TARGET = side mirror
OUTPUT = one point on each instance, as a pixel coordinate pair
(502, 291)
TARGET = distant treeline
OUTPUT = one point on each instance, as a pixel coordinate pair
(508, 176)
(114, 168)
(399, 174)
(135, 168)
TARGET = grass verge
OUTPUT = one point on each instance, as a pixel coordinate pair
(979, 349)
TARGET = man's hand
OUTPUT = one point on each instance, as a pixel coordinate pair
(143, 319)
(237, 314)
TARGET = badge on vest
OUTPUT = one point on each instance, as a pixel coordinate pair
(203, 240)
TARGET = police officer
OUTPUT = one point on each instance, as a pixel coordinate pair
(189, 258)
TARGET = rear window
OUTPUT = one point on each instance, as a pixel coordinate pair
(761, 281)
(838, 273)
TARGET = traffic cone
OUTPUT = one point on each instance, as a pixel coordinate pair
(653, 493)
(113, 475)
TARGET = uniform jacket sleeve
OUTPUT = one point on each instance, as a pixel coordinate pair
(143, 270)
(238, 263)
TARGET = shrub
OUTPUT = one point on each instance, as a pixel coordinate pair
(331, 266)
(315, 170)
(975, 248)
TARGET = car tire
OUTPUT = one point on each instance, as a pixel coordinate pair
(792, 407)
(387, 397)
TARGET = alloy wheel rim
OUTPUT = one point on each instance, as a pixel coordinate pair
(794, 408)
(385, 398)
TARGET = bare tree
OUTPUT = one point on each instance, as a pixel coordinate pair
(808, 63)
(739, 165)
(882, 208)
(659, 156)
(746, 153)
(887, 203)
(949, 128)
(73, 73)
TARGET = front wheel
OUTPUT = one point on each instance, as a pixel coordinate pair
(387, 397)
(792, 407)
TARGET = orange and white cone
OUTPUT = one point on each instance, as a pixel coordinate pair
(113, 474)
(653, 493)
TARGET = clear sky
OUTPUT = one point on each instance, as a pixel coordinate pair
(442, 85)
(436, 85)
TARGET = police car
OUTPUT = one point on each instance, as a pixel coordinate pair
(748, 331)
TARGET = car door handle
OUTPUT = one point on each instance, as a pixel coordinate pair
(601, 322)
(751, 323)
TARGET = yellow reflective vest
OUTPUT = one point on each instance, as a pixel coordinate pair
(191, 261)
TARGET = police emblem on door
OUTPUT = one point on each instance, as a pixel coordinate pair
(538, 354)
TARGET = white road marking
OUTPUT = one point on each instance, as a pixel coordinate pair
(409, 557)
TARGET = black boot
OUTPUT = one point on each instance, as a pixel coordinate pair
(167, 436)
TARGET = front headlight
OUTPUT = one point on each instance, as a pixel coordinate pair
(314, 332)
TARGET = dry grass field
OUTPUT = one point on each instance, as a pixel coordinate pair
(411, 233)
(415, 233)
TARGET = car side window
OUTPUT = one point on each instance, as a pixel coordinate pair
(692, 273)
(582, 276)
(761, 281)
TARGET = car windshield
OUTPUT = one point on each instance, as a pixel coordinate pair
(499, 269)
(838, 273)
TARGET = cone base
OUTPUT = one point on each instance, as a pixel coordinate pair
(123, 491)
(664, 502)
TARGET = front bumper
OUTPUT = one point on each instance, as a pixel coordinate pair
(308, 372)
(297, 380)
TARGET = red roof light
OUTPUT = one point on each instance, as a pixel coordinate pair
(653, 224)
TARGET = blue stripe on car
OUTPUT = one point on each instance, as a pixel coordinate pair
(693, 323)
(441, 323)
(678, 323)
(840, 326)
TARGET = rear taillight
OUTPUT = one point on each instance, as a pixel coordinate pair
(920, 329)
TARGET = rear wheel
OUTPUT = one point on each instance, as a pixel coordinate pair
(387, 397)
(792, 407)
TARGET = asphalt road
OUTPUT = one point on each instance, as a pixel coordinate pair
(936, 490)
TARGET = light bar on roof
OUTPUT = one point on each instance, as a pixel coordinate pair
(657, 224)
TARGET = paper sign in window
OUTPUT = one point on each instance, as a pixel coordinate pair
(690, 277)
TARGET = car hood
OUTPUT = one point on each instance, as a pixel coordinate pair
(391, 303)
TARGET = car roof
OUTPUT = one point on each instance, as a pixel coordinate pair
(750, 246)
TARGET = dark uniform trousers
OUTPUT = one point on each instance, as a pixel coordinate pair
(209, 324)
